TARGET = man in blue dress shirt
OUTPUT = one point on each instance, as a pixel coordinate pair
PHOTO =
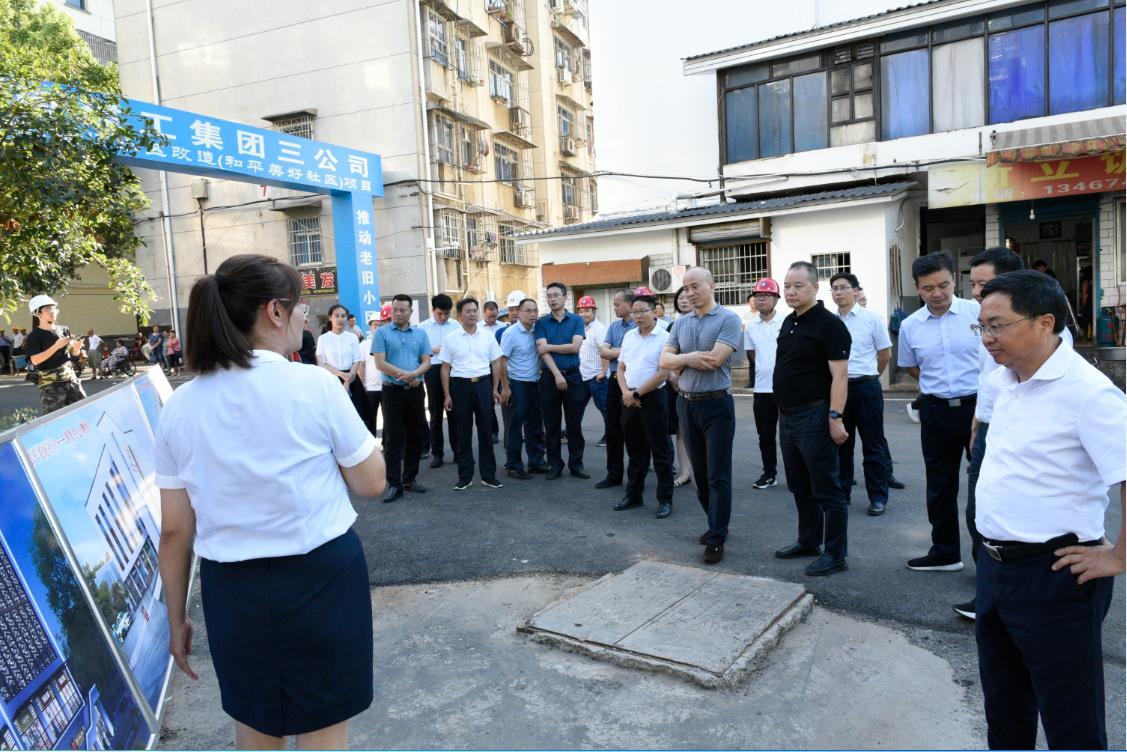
(938, 347)
(559, 335)
(520, 388)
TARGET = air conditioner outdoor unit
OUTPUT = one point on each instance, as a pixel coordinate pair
(571, 213)
(523, 198)
(666, 278)
(564, 75)
(567, 145)
(520, 120)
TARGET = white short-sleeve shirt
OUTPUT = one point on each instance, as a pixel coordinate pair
(987, 391)
(470, 355)
(762, 338)
(1056, 444)
(373, 377)
(590, 362)
(257, 450)
(870, 336)
(943, 348)
(340, 351)
(640, 355)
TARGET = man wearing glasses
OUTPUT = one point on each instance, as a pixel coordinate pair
(937, 346)
(864, 409)
(559, 335)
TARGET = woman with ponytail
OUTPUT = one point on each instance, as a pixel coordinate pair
(255, 459)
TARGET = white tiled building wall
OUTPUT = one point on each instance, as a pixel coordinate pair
(993, 230)
(1111, 271)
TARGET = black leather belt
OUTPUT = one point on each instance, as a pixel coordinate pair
(412, 385)
(705, 395)
(799, 408)
(471, 379)
(863, 379)
(970, 399)
(1010, 550)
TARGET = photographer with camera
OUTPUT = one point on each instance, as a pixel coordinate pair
(51, 349)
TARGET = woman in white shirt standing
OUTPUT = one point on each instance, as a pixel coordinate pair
(338, 352)
(255, 458)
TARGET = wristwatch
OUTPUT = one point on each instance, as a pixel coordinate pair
(637, 396)
(835, 415)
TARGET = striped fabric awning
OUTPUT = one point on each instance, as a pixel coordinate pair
(1083, 138)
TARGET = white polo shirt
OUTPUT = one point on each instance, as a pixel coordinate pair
(437, 334)
(762, 337)
(943, 348)
(257, 450)
(987, 391)
(869, 335)
(1056, 444)
(470, 355)
(339, 350)
(373, 377)
(640, 355)
(589, 359)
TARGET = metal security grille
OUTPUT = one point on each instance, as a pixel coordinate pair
(735, 268)
(829, 264)
(300, 125)
(305, 241)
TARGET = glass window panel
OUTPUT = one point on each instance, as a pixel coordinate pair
(774, 119)
(799, 65)
(862, 76)
(904, 41)
(811, 131)
(840, 110)
(1119, 61)
(839, 81)
(1017, 74)
(1062, 8)
(739, 125)
(1017, 18)
(904, 107)
(749, 74)
(863, 106)
(955, 31)
(957, 86)
(1078, 60)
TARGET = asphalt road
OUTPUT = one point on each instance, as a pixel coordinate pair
(567, 526)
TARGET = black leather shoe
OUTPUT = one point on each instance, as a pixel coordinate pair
(608, 483)
(436, 462)
(703, 539)
(539, 469)
(796, 551)
(713, 554)
(554, 473)
(876, 508)
(414, 487)
(664, 509)
(893, 483)
(518, 474)
(581, 473)
(392, 493)
(627, 503)
(826, 565)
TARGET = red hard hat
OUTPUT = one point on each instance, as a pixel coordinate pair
(586, 302)
(385, 312)
(642, 291)
(767, 285)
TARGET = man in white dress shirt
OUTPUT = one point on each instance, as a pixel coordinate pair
(1056, 445)
(338, 352)
(437, 327)
(471, 379)
(864, 408)
(761, 337)
(938, 348)
(592, 368)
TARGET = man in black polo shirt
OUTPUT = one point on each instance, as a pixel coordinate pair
(811, 385)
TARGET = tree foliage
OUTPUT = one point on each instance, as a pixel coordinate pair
(65, 201)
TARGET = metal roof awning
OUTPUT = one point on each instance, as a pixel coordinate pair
(458, 116)
(1083, 138)
(514, 138)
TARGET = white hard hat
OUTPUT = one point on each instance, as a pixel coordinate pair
(39, 301)
(515, 297)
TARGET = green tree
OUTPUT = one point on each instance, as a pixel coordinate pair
(65, 201)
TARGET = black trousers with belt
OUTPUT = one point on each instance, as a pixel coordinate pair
(710, 430)
(766, 425)
(435, 399)
(646, 431)
(404, 430)
(944, 434)
(864, 416)
(615, 441)
(569, 403)
(473, 404)
(1040, 653)
(810, 459)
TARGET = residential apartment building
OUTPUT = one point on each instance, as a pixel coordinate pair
(949, 125)
(480, 109)
(94, 22)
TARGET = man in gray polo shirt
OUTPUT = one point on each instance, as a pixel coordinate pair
(700, 347)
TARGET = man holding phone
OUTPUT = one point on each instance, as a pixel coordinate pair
(50, 350)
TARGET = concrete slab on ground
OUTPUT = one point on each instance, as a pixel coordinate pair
(709, 627)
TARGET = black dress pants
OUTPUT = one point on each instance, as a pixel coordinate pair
(864, 417)
(404, 429)
(473, 405)
(710, 430)
(615, 441)
(810, 461)
(435, 399)
(766, 424)
(944, 434)
(646, 431)
(569, 403)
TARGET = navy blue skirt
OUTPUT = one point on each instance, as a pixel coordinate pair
(291, 637)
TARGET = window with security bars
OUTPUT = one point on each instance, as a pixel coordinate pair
(735, 268)
(299, 124)
(305, 241)
(829, 264)
(449, 232)
(511, 253)
(437, 41)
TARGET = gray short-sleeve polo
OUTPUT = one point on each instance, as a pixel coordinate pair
(692, 333)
